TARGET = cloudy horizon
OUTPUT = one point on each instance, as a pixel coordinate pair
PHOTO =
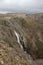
(21, 6)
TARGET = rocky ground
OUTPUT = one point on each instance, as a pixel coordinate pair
(17, 31)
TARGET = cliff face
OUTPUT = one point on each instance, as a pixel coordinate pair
(21, 39)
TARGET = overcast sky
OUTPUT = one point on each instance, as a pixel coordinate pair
(21, 6)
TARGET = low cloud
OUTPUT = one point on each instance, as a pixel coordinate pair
(22, 6)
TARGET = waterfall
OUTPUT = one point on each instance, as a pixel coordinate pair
(18, 39)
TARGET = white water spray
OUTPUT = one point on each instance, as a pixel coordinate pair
(18, 39)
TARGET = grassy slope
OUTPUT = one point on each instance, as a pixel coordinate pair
(10, 53)
(36, 24)
(32, 29)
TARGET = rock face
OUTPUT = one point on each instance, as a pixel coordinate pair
(21, 39)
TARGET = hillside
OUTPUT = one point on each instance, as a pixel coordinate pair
(21, 36)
